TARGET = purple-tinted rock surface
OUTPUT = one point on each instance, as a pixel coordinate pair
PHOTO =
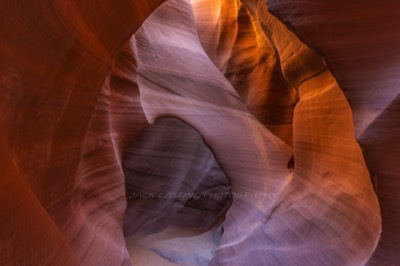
(172, 178)
(279, 105)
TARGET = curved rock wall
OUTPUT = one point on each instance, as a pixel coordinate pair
(75, 92)
(62, 189)
(359, 41)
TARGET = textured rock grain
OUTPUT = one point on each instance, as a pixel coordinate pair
(76, 90)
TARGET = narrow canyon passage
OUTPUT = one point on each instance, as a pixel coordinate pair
(330, 181)
(197, 132)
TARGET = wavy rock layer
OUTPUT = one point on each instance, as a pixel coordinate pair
(325, 211)
(64, 126)
(360, 44)
(172, 178)
(75, 93)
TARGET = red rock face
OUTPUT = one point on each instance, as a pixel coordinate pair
(62, 188)
(277, 121)
(359, 44)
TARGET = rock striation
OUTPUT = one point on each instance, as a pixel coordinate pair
(289, 107)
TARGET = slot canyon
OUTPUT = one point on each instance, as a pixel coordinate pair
(199, 132)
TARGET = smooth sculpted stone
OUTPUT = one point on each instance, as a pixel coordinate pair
(76, 89)
(323, 209)
(360, 43)
(62, 126)
(172, 178)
